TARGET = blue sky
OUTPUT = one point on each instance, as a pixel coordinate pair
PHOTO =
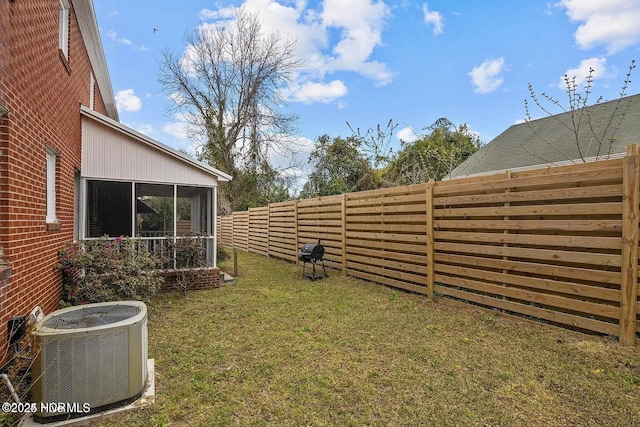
(370, 61)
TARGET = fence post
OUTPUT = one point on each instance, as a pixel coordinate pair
(630, 213)
(295, 224)
(344, 234)
(268, 230)
(430, 225)
(248, 228)
(233, 230)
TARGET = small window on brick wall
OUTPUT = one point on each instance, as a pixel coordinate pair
(92, 91)
(52, 158)
(63, 35)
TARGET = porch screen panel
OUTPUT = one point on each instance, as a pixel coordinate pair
(109, 208)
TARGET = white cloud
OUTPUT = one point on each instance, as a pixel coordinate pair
(144, 128)
(318, 92)
(610, 23)
(581, 72)
(114, 36)
(222, 13)
(336, 36)
(360, 23)
(487, 77)
(407, 134)
(126, 100)
(433, 18)
(176, 129)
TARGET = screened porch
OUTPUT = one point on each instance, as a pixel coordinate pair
(133, 186)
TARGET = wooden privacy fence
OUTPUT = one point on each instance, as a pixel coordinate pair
(558, 244)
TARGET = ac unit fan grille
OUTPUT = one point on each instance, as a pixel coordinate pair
(88, 317)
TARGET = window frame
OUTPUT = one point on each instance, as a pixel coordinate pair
(63, 30)
(92, 91)
(50, 187)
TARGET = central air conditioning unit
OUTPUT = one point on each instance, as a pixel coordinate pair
(93, 354)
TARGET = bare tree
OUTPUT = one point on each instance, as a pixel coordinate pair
(228, 87)
(376, 143)
(578, 120)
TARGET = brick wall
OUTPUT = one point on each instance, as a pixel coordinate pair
(42, 91)
(204, 278)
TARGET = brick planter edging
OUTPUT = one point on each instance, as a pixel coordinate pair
(206, 278)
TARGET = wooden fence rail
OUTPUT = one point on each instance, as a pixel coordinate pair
(557, 244)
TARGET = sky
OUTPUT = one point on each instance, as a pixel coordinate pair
(366, 62)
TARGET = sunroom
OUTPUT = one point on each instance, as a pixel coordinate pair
(131, 185)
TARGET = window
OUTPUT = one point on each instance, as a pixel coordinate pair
(63, 36)
(52, 157)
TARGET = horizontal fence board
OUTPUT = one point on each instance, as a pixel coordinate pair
(396, 237)
(411, 199)
(388, 264)
(532, 210)
(388, 281)
(543, 284)
(419, 208)
(383, 255)
(384, 272)
(589, 308)
(392, 246)
(577, 225)
(385, 192)
(534, 254)
(566, 272)
(558, 178)
(529, 310)
(387, 218)
(391, 227)
(592, 242)
(561, 194)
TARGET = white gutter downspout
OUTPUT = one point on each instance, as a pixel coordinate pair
(214, 221)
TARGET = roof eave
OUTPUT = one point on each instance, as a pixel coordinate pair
(91, 36)
(221, 176)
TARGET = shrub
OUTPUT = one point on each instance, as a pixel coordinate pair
(190, 254)
(222, 254)
(189, 251)
(109, 270)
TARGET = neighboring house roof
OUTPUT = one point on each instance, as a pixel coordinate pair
(604, 131)
(91, 36)
(111, 150)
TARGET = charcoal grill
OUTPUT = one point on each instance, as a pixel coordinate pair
(314, 254)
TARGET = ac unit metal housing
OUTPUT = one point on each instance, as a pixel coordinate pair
(93, 353)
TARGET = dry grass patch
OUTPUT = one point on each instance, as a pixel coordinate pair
(278, 350)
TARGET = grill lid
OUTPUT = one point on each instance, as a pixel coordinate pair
(311, 251)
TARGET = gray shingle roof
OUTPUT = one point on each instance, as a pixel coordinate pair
(604, 129)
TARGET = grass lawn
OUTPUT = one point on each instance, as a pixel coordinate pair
(278, 350)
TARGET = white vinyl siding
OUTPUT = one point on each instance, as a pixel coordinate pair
(111, 151)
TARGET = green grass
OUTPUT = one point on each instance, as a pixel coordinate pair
(278, 350)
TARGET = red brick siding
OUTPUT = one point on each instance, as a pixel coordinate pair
(206, 278)
(42, 92)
